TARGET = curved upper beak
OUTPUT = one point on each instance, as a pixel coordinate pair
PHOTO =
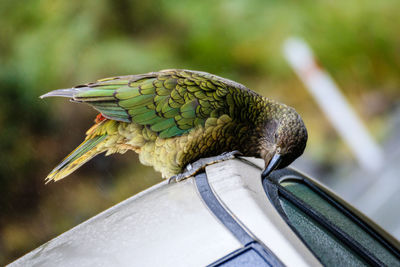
(273, 163)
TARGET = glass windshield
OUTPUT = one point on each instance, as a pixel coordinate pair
(328, 227)
(339, 219)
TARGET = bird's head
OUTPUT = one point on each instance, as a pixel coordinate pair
(284, 139)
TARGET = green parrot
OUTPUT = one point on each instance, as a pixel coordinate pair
(173, 118)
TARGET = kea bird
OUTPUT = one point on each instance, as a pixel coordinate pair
(180, 121)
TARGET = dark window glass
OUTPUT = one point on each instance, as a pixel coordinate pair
(332, 214)
(329, 250)
(329, 228)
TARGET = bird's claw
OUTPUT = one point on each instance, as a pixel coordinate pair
(199, 165)
(179, 177)
(230, 155)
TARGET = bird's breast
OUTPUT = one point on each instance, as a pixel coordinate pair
(171, 155)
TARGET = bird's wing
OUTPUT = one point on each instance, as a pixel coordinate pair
(169, 102)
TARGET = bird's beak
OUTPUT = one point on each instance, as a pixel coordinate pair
(273, 163)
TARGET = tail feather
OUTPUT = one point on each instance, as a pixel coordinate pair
(69, 92)
(84, 152)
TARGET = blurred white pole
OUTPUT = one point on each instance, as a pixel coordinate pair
(333, 104)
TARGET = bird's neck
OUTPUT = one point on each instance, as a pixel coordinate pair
(255, 109)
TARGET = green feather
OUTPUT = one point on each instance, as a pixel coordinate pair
(173, 131)
(185, 121)
(113, 113)
(155, 120)
(144, 117)
(188, 110)
(176, 95)
(127, 92)
(170, 83)
(198, 121)
(107, 86)
(175, 104)
(112, 81)
(110, 108)
(165, 124)
(79, 151)
(94, 95)
(161, 103)
(139, 110)
(136, 101)
(147, 87)
(192, 88)
(162, 91)
(160, 98)
(171, 112)
(105, 104)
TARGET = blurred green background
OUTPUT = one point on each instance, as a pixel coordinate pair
(51, 44)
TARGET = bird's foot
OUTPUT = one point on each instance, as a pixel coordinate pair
(199, 165)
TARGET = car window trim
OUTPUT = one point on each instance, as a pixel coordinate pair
(248, 241)
(273, 188)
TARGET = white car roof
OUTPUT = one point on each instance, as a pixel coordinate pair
(170, 225)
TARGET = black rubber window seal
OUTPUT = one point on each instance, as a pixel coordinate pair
(232, 225)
